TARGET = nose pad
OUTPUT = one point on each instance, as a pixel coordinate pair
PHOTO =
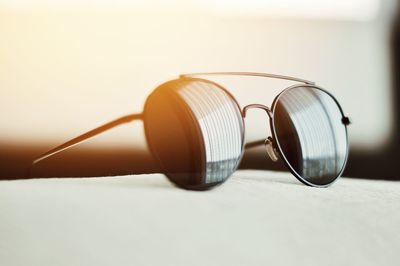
(269, 146)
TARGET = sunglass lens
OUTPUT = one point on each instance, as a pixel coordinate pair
(195, 130)
(310, 134)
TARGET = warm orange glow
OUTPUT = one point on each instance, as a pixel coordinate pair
(64, 71)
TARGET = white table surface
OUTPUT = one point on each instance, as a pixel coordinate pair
(255, 218)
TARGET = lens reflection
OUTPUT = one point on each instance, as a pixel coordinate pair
(310, 133)
(195, 129)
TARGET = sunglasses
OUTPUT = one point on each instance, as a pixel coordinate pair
(195, 130)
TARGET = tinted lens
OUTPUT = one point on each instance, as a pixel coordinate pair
(310, 133)
(195, 130)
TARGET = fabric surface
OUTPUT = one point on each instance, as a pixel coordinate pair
(255, 218)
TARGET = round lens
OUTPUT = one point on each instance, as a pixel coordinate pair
(310, 134)
(195, 130)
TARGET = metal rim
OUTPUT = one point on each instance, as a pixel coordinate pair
(276, 140)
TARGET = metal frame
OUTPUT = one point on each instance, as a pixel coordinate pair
(269, 111)
(251, 74)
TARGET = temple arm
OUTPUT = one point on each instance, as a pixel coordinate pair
(87, 135)
(253, 74)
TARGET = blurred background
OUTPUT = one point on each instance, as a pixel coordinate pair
(69, 66)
